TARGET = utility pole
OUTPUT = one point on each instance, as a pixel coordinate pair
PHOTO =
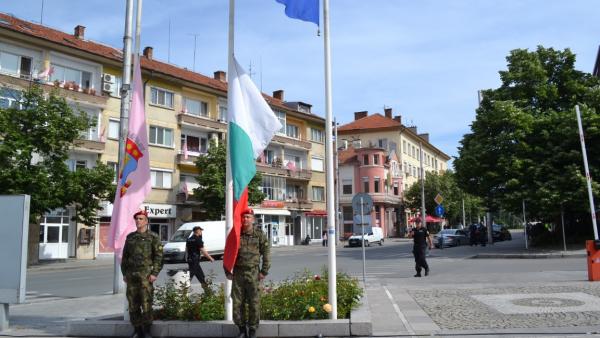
(337, 195)
(422, 171)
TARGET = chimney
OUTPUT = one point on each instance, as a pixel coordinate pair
(148, 52)
(398, 118)
(220, 75)
(79, 31)
(278, 94)
(360, 114)
(413, 129)
(425, 136)
(388, 112)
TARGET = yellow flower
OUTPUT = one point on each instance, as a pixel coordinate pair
(311, 309)
(327, 307)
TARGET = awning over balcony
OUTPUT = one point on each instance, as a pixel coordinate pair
(282, 212)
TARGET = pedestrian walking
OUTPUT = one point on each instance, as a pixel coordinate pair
(248, 273)
(422, 241)
(141, 263)
(195, 250)
(325, 238)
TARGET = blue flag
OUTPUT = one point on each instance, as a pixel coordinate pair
(305, 10)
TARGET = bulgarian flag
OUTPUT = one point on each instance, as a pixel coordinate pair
(252, 125)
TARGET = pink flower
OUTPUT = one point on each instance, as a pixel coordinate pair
(317, 277)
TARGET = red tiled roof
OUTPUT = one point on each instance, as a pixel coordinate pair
(49, 34)
(347, 155)
(375, 121)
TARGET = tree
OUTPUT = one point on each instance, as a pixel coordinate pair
(524, 142)
(445, 185)
(36, 135)
(211, 180)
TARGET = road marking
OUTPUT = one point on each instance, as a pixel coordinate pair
(400, 314)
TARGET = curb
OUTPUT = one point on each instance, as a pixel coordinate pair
(529, 255)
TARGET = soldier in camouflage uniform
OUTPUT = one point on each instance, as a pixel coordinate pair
(247, 276)
(140, 265)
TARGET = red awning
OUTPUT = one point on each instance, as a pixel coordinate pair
(316, 213)
(428, 219)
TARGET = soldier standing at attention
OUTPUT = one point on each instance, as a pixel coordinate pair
(195, 248)
(421, 240)
(140, 265)
(247, 275)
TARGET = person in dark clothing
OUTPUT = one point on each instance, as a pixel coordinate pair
(422, 240)
(195, 249)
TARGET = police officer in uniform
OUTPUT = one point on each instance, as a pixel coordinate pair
(422, 239)
(248, 272)
(140, 265)
(195, 248)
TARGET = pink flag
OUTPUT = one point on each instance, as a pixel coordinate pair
(185, 190)
(103, 135)
(291, 165)
(185, 149)
(134, 172)
(47, 72)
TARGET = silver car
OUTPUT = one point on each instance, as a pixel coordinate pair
(450, 237)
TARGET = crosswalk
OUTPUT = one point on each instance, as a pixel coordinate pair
(32, 297)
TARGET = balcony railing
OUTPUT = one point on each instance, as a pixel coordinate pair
(201, 122)
(90, 146)
(191, 159)
(386, 198)
(286, 140)
(269, 169)
(299, 205)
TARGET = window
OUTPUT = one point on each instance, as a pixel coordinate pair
(376, 159)
(281, 117)
(194, 144)
(195, 107)
(15, 65)
(318, 194)
(80, 164)
(382, 143)
(317, 164)
(113, 166)
(64, 74)
(436, 164)
(9, 98)
(274, 188)
(347, 187)
(223, 110)
(376, 184)
(356, 144)
(404, 147)
(161, 97)
(366, 159)
(161, 179)
(113, 129)
(269, 156)
(116, 88)
(414, 153)
(365, 184)
(393, 146)
(294, 192)
(316, 135)
(161, 136)
(292, 131)
(396, 190)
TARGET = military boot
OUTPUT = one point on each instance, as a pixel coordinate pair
(252, 333)
(138, 332)
(147, 330)
(243, 333)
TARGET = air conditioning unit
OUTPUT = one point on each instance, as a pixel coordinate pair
(108, 78)
(108, 87)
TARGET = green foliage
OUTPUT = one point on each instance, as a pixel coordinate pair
(444, 184)
(295, 298)
(36, 138)
(524, 142)
(298, 298)
(211, 190)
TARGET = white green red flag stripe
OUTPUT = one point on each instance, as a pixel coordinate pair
(252, 125)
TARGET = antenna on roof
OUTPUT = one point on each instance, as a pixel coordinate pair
(195, 36)
(169, 47)
(42, 14)
(250, 72)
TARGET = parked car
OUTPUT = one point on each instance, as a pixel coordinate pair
(450, 237)
(374, 236)
(477, 234)
(213, 236)
(500, 233)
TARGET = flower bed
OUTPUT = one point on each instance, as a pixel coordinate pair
(301, 297)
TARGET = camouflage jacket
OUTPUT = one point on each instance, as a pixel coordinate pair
(142, 252)
(252, 247)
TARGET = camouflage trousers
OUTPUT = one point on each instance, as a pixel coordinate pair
(245, 294)
(139, 296)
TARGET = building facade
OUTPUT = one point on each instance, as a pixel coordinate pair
(184, 111)
(405, 143)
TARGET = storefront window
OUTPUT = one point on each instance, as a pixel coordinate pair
(316, 226)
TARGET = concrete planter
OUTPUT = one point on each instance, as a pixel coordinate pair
(359, 324)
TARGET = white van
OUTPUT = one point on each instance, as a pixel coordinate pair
(213, 237)
(375, 235)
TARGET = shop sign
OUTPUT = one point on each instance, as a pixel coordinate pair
(272, 204)
(160, 210)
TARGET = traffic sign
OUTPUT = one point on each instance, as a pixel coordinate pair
(438, 199)
(439, 210)
(367, 203)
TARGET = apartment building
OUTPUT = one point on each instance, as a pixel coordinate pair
(387, 132)
(184, 111)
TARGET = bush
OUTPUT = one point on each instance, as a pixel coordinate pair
(302, 297)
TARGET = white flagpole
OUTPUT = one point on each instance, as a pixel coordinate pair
(118, 285)
(228, 178)
(331, 214)
(587, 173)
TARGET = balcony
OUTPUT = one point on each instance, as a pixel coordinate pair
(201, 123)
(89, 146)
(298, 205)
(190, 161)
(292, 142)
(298, 174)
(379, 198)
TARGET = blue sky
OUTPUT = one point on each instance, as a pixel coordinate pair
(425, 59)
